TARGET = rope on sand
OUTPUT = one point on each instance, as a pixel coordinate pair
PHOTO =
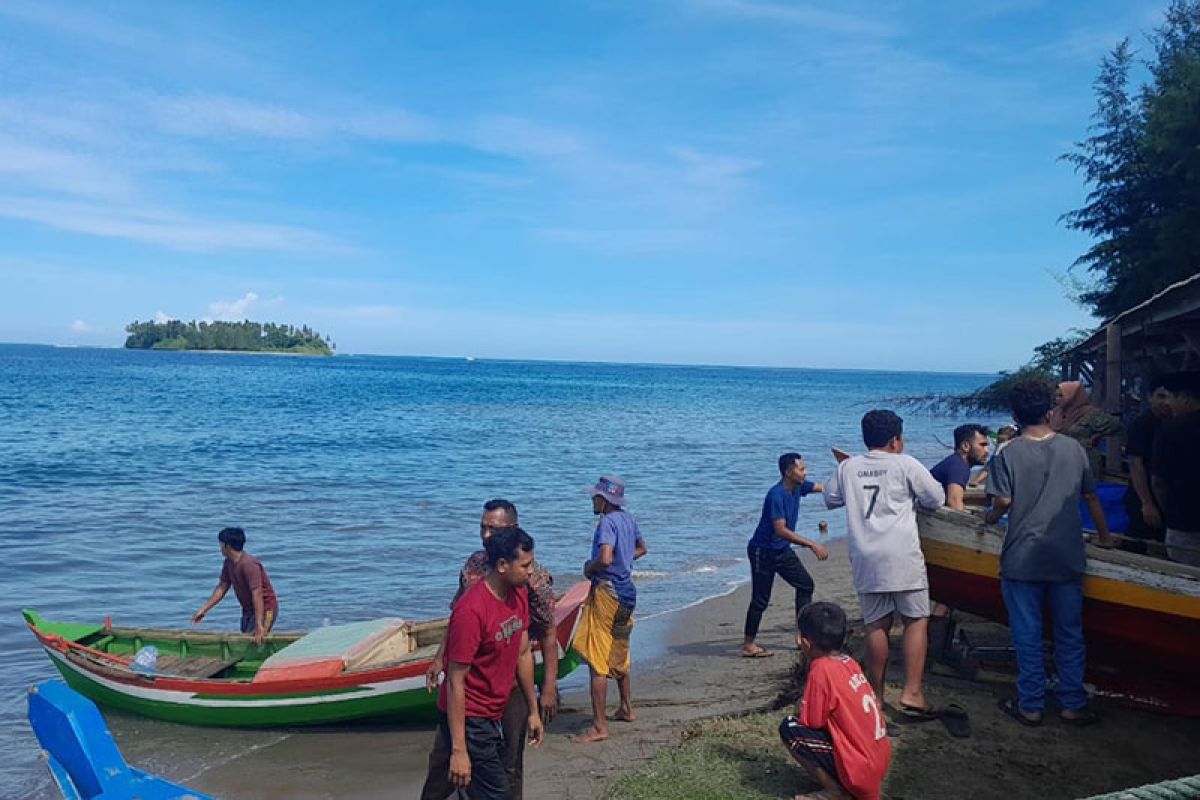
(1178, 789)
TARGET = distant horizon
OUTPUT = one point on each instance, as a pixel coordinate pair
(473, 358)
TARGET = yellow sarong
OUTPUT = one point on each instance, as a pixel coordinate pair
(602, 637)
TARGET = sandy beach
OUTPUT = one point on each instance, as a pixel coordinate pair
(688, 669)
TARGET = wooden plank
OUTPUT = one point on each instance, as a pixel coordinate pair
(193, 667)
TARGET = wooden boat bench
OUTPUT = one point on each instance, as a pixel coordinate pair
(193, 667)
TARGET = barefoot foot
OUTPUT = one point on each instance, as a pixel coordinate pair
(592, 734)
(625, 715)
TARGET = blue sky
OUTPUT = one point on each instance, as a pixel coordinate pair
(849, 184)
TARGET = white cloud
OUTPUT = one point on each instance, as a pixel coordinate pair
(171, 230)
(206, 115)
(161, 318)
(79, 326)
(798, 15)
(61, 170)
(233, 309)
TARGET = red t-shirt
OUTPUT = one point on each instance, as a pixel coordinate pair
(838, 698)
(485, 633)
(245, 576)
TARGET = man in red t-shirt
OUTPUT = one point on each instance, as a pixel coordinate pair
(248, 577)
(839, 734)
(487, 646)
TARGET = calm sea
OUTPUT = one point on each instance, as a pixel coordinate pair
(359, 480)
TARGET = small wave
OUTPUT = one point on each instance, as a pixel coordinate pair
(650, 575)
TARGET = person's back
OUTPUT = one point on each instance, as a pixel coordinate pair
(838, 697)
(619, 529)
(1176, 465)
(1045, 480)
(245, 575)
(878, 490)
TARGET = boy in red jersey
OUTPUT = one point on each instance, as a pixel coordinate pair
(487, 649)
(839, 734)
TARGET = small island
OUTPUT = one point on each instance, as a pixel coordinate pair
(241, 337)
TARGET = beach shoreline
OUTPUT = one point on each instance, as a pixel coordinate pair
(687, 670)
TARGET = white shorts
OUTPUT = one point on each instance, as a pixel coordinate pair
(911, 604)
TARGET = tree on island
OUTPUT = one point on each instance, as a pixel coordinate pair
(247, 336)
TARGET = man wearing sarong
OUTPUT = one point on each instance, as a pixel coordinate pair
(606, 620)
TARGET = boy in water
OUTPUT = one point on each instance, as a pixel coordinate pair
(838, 733)
(248, 577)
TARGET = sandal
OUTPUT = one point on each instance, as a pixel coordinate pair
(956, 721)
(1013, 710)
(1084, 718)
(759, 653)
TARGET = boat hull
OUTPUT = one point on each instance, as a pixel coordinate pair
(402, 699)
(1141, 616)
(391, 692)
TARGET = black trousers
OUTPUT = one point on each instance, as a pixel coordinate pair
(485, 741)
(764, 566)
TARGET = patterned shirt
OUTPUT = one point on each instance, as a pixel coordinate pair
(541, 592)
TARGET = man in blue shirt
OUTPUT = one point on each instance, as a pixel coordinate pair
(954, 471)
(770, 548)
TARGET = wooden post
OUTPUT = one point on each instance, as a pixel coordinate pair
(1112, 393)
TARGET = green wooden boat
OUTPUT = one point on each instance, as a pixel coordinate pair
(373, 670)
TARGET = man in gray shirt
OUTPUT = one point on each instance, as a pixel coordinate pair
(1038, 480)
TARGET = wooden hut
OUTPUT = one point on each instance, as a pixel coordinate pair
(1161, 334)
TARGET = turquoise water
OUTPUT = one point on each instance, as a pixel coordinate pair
(359, 480)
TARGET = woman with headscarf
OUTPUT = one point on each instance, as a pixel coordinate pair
(1076, 416)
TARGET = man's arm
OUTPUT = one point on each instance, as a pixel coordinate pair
(954, 497)
(639, 548)
(456, 714)
(1099, 520)
(259, 630)
(216, 597)
(549, 698)
(925, 488)
(1000, 506)
(601, 562)
(1141, 486)
(832, 490)
(781, 530)
(818, 488)
(1160, 490)
(435, 667)
(525, 681)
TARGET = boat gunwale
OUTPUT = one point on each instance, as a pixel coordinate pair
(117, 669)
(966, 521)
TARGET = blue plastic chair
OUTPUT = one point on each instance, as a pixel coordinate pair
(83, 756)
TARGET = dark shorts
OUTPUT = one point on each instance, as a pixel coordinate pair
(269, 617)
(810, 745)
(485, 744)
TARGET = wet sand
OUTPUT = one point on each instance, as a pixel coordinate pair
(687, 668)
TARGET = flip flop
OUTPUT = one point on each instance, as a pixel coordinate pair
(760, 653)
(1011, 708)
(916, 714)
(1086, 719)
(956, 721)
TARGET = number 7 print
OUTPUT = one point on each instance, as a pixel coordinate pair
(873, 488)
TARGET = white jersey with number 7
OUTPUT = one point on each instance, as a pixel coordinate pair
(879, 491)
